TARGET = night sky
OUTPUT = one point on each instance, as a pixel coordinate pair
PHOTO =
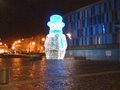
(26, 18)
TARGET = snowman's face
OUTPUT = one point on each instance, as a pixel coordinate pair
(55, 26)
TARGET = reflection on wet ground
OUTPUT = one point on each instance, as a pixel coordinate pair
(26, 74)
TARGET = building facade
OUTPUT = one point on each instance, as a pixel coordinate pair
(3, 48)
(29, 45)
(95, 31)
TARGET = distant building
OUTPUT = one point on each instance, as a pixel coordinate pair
(95, 31)
(3, 48)
(33, 44)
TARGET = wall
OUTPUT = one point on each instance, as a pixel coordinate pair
(96, 54)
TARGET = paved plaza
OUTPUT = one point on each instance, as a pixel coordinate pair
(61, 75)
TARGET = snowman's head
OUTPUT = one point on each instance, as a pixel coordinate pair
(56, 23)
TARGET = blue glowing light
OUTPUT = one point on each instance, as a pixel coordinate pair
(56, 24)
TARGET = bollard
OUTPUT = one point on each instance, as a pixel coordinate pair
(4, 76)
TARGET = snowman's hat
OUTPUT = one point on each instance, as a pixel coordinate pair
(56, 19)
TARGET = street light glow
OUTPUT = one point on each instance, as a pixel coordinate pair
(15, 42)
(13, 47)
(33, 43)
(43, 39)
(1, 43)
(19, 41)
(5, 44)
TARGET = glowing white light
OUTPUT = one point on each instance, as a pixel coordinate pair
(55, 43)
(99, 40)
(69, 35)
(103, 28)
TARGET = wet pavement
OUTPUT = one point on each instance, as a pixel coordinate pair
(30, 74)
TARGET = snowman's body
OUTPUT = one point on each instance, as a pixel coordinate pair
(55, 43)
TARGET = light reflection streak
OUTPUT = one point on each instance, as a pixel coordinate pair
(15, 69)
(56, 69)
(42, 74)
(39, 72)
(1, 63)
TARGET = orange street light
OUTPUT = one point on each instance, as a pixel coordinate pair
(33, 43)
(19, 41)
(5, 44)
(1, 43)
(13, 47)
(15, 42)
(43, 39)
(41, 48)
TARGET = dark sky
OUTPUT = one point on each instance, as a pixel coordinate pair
(25, 18)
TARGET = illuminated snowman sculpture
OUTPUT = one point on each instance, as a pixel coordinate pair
(55, 43)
